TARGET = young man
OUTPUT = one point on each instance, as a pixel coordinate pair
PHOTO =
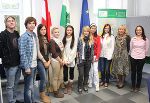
(9, 53)
(29, 51)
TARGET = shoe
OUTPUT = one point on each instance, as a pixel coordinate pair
(58, 94)
(90, 85)
(137, 90)
(80, 90)
(19, 101)
(70, 86)
(106, 85)
(132, 90)
(97, 88)
(44, 98)
(66, 89)
(85, 88)
(101, 83)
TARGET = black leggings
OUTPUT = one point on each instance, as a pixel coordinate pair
(71, 73)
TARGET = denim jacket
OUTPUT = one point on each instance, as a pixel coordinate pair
(26, 49)
(80, 50)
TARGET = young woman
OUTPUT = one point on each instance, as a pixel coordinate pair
(120, 59)
(56, 49)
(43, 44)
(85, 53)
(139, 47)
(107, 42)
(93, 75)
(70, 49)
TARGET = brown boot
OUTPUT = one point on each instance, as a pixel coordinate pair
(70, 86)
(44, 98)
(66, 89)
(58, 94)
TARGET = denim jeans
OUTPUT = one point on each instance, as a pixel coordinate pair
(42, 73)
(13, 76)
(29, 86)
(104, 67)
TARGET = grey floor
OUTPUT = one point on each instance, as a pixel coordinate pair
(106, 95)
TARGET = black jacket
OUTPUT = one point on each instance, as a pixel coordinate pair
(9, 57)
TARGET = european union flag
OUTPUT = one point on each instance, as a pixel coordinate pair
(85, 21)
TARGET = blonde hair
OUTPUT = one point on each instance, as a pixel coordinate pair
(87, 28)
(125, 29)
(54, 28)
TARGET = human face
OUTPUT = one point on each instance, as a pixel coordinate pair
(69, 31)
(43, 30)
(86, 33)
(56, 33)
(138, 31)
(10, 23)
(121, 31)
(93, 29)
(106, 29)
(31, 26)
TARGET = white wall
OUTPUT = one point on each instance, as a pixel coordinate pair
(55, 11)
(138, 8)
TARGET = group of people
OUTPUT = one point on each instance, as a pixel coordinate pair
(32, 53)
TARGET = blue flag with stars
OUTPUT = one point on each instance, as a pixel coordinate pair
(85, 20)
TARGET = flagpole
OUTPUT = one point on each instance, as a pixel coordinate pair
(31, 6)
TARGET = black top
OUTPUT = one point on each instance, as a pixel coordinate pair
(9, 51)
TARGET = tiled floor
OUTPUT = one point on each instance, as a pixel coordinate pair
(105, 95)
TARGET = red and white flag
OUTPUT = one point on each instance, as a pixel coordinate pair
(46, 18)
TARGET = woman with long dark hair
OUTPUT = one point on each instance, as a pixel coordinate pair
(107, 43)
(43, 45)
(139, 47)
(70, 49)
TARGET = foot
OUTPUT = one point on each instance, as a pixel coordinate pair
(85, 88)
(101, 83)
(90, 85)
(97, 88)
(137, 90)
(106, 85)
(80, 91)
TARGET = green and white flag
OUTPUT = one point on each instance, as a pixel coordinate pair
(65, 13)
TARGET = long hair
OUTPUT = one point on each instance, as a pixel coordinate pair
(73, 38)
(94, 25)
(104, 30)
(143, 32)
(40, 35)
(87, 28)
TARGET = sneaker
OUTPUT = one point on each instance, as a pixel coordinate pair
(90, 85)
(97, 88)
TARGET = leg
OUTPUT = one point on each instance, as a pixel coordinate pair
(133, 72)
(107, 76)
(102, 70)
(91, 75)
(11, 76)
(80, 77)
(140, 65)
(70, 83)
(28, 86)
(87, 67)
(42, 74)
(65, 71)
(96, 76)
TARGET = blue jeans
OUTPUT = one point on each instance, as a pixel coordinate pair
(42, 74)
(13, 76)
(104, 67)
(29, 86)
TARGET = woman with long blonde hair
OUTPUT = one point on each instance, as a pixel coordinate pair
(85, 53)
(120, 64)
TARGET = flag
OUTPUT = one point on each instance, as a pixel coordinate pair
(65, 14)
(46, 18)
(85, 20)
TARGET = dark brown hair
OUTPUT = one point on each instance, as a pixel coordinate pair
(104, 30)
(143, 32)
(28, 20)
(73, 38)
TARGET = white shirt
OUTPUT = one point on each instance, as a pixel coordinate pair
(70, 54)
(34, 58)
(107, 46)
